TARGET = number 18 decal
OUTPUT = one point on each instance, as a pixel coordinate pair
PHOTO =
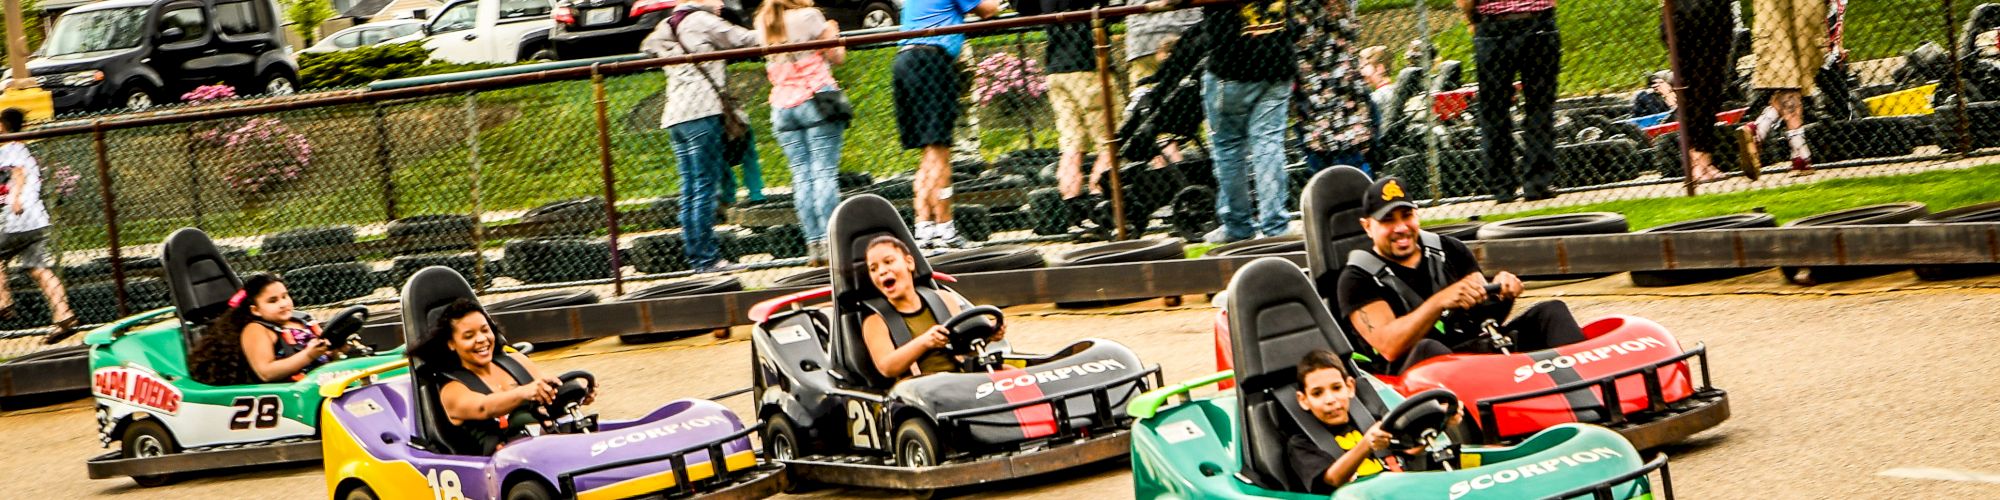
(444, 484)
(260, 412)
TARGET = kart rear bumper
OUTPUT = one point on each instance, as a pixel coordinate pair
(1701, 414)
(767, 480)
(828, 470)
(109, 465)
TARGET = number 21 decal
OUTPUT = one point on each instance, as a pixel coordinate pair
(861, 425)
(260, 412)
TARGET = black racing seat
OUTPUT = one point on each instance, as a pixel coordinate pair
(1275, 320)
(1409, 83)
(854, 223)
(1332, 205)
(425, 296)
(199, 281)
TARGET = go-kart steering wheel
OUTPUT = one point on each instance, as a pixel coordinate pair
(1420, 418)
(343, 325)
(970, 326)
(576, 387)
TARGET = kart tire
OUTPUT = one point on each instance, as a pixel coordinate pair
(1119, 252)
(433, 233)
(989, 259)
(1261, 246)
(1677, 278)
(780, 438)
(568, 217)
(972, 221)
(361, 492)
(1577, 224)
(531, 489)
(147, 438)
(811, 277)
(785, 241)
(1051, 215)
(1888, 213)
(314, 246)
(681, 288)
(1984, 212)
(917, 444)
(330, 283)
(663, 253)
(558, 259)
(1463, 231)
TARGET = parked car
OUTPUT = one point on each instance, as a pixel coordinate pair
(136, 53)
(491, 31)
(596, 28)
(862, 14)
(396, 31)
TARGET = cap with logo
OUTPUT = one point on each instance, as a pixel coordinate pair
(1384, 196)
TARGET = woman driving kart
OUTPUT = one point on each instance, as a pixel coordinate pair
(258, 339)
(487, 401)
(890, 268)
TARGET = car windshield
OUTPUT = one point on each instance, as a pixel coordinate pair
(96, 31)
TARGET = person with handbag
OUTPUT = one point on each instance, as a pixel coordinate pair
(700, 117)
(809, 113)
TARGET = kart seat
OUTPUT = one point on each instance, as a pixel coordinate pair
(425, 296)
(199, 281)
(854, 222)
(1277, 320)
(1332, 201)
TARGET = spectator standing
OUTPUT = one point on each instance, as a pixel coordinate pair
(1245, 95)
(1789, 40)
(1375, 71)
(811, 139)
(694, 116)
(24, 235)
(1078, 100)
(927, 85)
(1701, 43)
(1516, 38)
(1330, 100)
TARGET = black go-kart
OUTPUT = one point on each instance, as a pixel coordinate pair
(833, 418)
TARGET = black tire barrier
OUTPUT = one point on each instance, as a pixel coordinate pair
(786, 241)
(1460, 172)
(401, 268)
(1032, 159)
(1600, 162)
(681, 288)
(31, 308)
(433, 233)
(1983, 117)
(1984, 212)
(664, 213)
(1260, 246)
(736, 243)
(988, 259)
(98, 302)
(901, 188)
(1576, 224)
(314, 246)
(1873, 137)
(992, 183)
(330, 283)
(662, 253)
(811, 277)
(1889, 213)
(971, 220)
(968, 166)
(851, 180)
(1677, 278)
(544, 300)
(1051, 215)
(575, 217)
(1118, 252)
(1463, 231)
(558, 259)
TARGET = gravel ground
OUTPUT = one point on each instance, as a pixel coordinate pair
(1830, 386)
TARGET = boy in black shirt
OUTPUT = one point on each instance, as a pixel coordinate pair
(1325, 389)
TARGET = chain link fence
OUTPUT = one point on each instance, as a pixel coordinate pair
(519, 187)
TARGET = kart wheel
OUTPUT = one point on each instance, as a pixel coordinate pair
(362, 492)
(917, 444)
(530, 490)
(145, 439)
(781, 440)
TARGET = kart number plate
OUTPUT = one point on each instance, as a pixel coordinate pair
(363, 407)
(790, 334)
(593, 17)
(1177, 432)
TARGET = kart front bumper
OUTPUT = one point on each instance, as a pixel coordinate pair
(109, 465)
(1700, 414)
(867, 473)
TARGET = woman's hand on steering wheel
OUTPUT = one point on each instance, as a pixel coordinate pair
(938, 337)
(539, 391)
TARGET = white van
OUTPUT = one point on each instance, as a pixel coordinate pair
(491, 31)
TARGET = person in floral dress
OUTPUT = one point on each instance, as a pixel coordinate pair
(1330, 100)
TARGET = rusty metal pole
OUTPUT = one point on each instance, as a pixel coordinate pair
(478, 222)
(1106, 144)
(384, 165)
(610, 178)
(105, 193)
(1957, 77)
(1674, 62)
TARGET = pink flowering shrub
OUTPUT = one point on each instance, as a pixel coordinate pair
(1006, 77)
(259, 155)
(207, 93)
(63, 181)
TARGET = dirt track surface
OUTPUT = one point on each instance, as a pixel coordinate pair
(1829, 387)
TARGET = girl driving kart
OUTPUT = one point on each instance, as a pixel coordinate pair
(890, 265)
(259, 340)
(486, 395)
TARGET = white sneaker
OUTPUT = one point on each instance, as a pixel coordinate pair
(1220, 236)
(946, 236)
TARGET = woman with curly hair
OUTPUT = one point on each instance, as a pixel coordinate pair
(258, 340)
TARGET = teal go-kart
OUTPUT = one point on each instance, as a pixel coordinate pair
(1233, 445)
(167, 423)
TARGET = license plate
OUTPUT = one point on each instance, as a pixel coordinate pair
(593, 17)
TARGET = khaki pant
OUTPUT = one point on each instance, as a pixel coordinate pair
(1789, 40)
(1079, 106)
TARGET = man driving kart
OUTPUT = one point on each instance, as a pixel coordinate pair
(489, 396)
(1414, 294)
(890, 265)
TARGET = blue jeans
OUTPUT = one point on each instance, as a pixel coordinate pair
(812, 145)
(753, 173)
(1246, 123)
(698, 149)
(1317, 161)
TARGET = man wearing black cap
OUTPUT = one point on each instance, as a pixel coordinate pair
(1416, 294)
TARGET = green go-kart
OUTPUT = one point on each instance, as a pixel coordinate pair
(1232, 445)
(167, 423)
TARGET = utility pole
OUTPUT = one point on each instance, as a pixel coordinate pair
(22, 92)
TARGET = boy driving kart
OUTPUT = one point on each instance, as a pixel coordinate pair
(890, 265)
(1325, 390)
(1413, 294)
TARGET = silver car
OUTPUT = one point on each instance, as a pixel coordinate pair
(394, 31)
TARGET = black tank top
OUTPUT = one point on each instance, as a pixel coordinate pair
(484, 436)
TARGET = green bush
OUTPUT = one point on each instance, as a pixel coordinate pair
(364, 65)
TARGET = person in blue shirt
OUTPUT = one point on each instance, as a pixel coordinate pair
(927, 86)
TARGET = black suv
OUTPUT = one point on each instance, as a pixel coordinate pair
(594, 28)
(135, 53)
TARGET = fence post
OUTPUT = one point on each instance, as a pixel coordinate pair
(384, 165)
(1106, 144)
(1951, 40)
(1667, 9)
(610, 178)
(478, 221)
(110, 216)
(1429, 53)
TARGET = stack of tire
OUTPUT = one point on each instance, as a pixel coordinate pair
(1984, 212)
(97, 303)
(559, 259)
(1683, 277)
(1890, 213)
(319, 265)
(1982, 117)
(432, 233)
(682, 288)
(575, 217)
(545, 300)
(988, 259)
(1275, 245)
(1121, 252)
(1462, 231)
(1577, 224)
(466, 263)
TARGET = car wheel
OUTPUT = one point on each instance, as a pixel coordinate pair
(279, 84)
(137, 97)
(146, 439)
(530, 490)
(362, 492)
(878, 15)
(542, 54)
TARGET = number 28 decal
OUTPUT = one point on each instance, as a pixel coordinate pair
(261, 412)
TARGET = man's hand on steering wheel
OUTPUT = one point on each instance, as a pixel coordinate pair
(1510, 285)
(1465, 293)
(1376, 438)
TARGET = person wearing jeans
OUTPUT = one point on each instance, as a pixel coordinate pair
(1246, 93)
(693, 117)
(811, 141)
(698, 153)
(1516, 38)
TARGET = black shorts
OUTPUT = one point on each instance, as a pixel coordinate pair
(927, 87)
